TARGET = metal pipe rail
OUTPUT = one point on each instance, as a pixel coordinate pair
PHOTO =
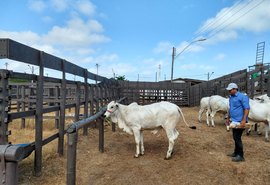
(72, 135)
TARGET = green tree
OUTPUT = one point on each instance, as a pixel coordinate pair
(120, 77)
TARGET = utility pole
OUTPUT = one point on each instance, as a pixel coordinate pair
(113, 73)
(173, 56)
(6, 64)
(174, 52)
(159, 69)
(97, 65)
(138, 77)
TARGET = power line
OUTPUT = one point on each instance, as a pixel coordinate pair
(205, 27)
(234, 12)
(216, 30)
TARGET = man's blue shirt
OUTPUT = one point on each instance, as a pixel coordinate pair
(238, 103)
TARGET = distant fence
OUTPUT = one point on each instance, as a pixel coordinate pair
(150, 92)
(253, 82)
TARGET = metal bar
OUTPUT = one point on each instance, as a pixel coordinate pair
(50, 139)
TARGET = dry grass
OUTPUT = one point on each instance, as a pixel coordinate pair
(199, 158)
(53, 165)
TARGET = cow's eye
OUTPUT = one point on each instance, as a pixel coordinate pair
(111, 107)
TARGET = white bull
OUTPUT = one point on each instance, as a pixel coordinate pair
(204, 104)
(262, 98)
(217, 104)
(135, 118)
(260, 112)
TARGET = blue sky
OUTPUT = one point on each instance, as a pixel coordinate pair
(135, 37)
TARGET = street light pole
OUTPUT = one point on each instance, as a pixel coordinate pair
(173, 56)
(174, 53)
(209, 75)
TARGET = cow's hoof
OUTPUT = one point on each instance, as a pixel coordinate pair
(259, 133)
(136, 156)
(142, 154)
(266, 139)
(167, 158)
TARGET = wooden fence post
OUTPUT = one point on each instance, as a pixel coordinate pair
(71, 157)
(39, 118)
(78, 101)
(86, 99)
(101, 134)
(62, 110)
(4, 106)
(23, 107)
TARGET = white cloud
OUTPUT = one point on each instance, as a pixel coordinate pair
(244, 15)
(86, 7)
(37, 5)
(26, 37)
(77, 33)
(59, 5)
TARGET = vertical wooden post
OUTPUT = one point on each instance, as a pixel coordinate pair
(86, 99)
(62, 111)
(23, 106)
(268, 83)
(71, 157)
(57, 95)
(78, 99)
(39, 118)
(101, 134)
(4, 106)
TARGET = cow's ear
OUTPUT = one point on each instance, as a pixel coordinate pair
(117, 105)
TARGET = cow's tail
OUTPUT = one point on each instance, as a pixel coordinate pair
(180, 111)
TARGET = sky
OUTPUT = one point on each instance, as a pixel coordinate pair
(135, 38)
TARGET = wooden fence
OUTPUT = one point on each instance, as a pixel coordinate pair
(41, 94)
(35, 99)
(150, 92)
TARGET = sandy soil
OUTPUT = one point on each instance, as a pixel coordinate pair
(199, 158)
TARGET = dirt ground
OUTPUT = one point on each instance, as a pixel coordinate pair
(199, 158)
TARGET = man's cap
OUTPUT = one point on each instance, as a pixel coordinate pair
(231, 86)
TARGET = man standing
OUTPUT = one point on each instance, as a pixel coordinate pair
(238, 112)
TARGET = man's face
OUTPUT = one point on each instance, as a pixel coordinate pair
(232, 91)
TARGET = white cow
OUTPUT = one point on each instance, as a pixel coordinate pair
(262, 98)
(204, 103)
(135, 118)
(217, 104)
(260, 112)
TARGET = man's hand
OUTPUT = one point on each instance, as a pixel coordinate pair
(242, 124)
